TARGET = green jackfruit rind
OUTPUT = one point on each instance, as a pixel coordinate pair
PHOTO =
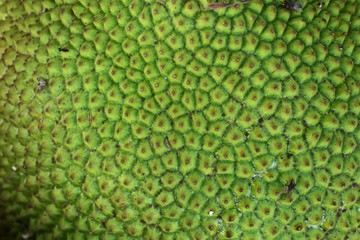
(112, 113)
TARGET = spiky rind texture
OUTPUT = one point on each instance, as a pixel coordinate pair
(144, 119)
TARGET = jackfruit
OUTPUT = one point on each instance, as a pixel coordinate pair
(172, 119)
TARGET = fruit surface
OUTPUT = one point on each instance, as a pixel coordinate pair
(172, 119)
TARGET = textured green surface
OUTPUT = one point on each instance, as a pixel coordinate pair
(167, 120)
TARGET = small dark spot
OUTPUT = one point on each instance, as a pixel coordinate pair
(63, 50)
(290, 187)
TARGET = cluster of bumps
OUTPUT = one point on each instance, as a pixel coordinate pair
(144, 119)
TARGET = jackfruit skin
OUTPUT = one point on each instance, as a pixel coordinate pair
(169, 120)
